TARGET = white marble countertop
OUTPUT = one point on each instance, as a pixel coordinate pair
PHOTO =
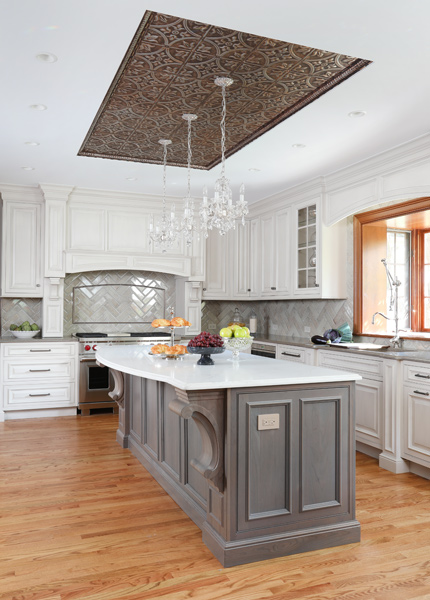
(186, 374)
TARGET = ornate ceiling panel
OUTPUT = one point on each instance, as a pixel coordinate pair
(170, 68)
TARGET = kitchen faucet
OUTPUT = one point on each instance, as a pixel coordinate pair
(394, 302)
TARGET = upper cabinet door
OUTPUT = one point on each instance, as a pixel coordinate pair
(22, 250)
(217, 281)
(306, 251)
(319, 254)
(275, 254)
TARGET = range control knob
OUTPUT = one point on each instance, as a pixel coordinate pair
(87, 347)
(95, 347)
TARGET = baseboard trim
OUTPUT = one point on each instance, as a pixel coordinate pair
(231, 554)
(393, 465)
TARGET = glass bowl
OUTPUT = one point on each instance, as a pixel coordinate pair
(205, 358)
(237, 345)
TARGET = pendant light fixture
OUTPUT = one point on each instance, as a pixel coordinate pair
(188, 224)
(220, 212)
(164, 233)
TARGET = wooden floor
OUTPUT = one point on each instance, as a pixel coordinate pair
(81, 519)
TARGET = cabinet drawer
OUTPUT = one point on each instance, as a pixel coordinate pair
(41, 350)
(292, 353)
(35, 370)
(416, 373)
(43, 396)
(337, 359)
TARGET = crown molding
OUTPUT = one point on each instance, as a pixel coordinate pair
(20, 193)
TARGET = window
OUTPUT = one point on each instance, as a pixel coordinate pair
(400, 235)
(398, 264)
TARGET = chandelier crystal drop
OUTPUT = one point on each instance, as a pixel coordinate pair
(164, 232)
(220, 212)
(188, 226)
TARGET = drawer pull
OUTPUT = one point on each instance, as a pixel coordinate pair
(273, 288)
(38, 395)
(38, 370)
(422, 393)
(289, 354)
(43, 350)
(423, 376)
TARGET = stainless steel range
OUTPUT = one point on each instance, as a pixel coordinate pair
(96, 382)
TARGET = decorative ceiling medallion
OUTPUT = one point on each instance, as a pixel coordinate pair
(170, 69)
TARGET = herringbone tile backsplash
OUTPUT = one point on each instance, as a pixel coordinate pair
(116, 301)
(282, 317)
(18, 310)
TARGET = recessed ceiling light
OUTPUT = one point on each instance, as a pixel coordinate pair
(254, 170)
(38, 106)
(299, 146)
(357, 113)
(131, 178)
(32, 143)
(46, 57)
(28, 168)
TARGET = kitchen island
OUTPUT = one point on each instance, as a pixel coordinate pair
(259, 453)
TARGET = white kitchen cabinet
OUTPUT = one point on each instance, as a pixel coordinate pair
(319, 263)
(22, 249)
(38, 379)
(275, 254)
(416, 413)
(369, 404)
(219, 263)
(101, 236)
(246, 263)
(295, 354)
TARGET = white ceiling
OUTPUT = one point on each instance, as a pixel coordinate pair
(90, 38)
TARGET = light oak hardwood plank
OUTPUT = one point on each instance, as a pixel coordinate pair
(81, 519)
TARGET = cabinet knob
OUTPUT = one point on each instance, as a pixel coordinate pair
(37, 284)
(273, 288)
(204, 289)
(248, 290)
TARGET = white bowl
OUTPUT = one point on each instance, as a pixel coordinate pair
(25, 334)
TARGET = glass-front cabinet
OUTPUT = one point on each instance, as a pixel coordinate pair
(306, 247)
(320, 253)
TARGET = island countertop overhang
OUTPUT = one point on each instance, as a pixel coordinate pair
(185, 374)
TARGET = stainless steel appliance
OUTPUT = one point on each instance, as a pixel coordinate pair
(264, 349)
(96, 382)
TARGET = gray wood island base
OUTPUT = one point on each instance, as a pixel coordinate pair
(255, 493)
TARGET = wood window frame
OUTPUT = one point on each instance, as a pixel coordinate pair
(417, 249)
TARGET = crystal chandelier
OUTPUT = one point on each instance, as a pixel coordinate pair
(164, 233)
(220, 212)
(188, 224)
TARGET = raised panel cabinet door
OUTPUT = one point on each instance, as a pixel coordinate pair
(268, 257)
(22, 256)
(416, 437)
(218, 263)
(241, 259)
(282, 253)
(254, 259)
(369, 412)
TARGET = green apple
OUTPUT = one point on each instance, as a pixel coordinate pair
(234, 327)
(226, 332)
(240, 332)
(248, 333)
